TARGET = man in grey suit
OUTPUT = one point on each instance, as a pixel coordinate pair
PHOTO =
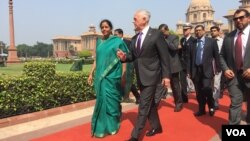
(200, 69)
(149, 51)
(175, 66)
(235, 63)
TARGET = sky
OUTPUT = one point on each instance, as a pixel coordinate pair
(42, 20)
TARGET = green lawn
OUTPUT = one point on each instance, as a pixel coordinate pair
(16, 69)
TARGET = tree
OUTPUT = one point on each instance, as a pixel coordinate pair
(23, 50)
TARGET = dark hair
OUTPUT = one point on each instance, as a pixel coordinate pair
(199, 25)
(120, 31)
(108, 22)
(242, 10)
(215, 27)
(165, 26)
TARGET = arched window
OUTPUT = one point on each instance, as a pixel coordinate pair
(195, 18)
(204, 16)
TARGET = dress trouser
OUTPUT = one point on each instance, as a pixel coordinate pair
(134, 91)
(176, 88)
(184, 84)
(147, 110)
(237, 90)
(203, 87)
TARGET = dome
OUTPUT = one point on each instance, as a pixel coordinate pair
(200, 3)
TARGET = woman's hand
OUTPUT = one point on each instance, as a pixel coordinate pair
(90, 80)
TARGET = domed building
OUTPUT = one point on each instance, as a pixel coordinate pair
(199, 12)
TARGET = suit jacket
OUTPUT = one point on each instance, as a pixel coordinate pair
(210, 53)
(152, 63)
(185, 50)
(127, 42)
(173, 42)
(227, 56)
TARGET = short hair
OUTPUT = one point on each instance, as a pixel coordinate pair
(215, 27)
(242, 10)
(119, 30)
(145, 13)
(164, 26)
(199, 25)
(106, 21)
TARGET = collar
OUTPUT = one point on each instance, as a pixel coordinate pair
(202, 39)
(145, 30)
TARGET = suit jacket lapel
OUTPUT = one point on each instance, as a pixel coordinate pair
(133, 41)
(146, 40)
(232, 44)
(247, 51)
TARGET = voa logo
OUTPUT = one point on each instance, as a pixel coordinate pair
(236, 132)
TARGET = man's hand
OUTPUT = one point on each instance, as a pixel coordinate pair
(229, 74)
(120, 54)
(166, 82)
(246, 74)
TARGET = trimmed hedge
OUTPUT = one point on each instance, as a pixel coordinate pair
(41, 88)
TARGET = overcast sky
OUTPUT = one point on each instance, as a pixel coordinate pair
(41, 20)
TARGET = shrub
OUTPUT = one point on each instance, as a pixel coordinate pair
(40, 88)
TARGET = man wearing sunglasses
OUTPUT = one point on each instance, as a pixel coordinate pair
(235, 64)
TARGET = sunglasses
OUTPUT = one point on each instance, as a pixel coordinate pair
(240, 18)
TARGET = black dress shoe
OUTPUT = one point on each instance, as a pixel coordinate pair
(211, 112)
(152, 132)
(178, 109)
(137, 101)
(185, 101)
(216, 107)
(199, 113)
(133, 139)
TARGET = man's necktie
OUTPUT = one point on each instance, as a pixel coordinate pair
(238, 51)
(199, 53)
(138, 44)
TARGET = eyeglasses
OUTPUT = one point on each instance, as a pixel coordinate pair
(240, 18)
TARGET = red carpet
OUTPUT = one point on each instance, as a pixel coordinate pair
(182, 126)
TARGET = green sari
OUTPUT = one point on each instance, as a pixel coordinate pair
(107, 112)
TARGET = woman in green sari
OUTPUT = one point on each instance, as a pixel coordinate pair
(107, 83)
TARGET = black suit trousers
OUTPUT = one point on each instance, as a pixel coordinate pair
(184, 84)
(176, 88)
(147, 110)
(203, 87)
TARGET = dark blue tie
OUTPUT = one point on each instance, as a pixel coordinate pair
(199, 53)
(138, 44)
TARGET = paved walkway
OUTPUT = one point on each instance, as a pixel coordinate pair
(41, 127)
(49, 125)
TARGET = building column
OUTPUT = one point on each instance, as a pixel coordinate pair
(12, 51)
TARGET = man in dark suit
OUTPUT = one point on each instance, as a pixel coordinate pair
(200, 69)
(175, 66)
(186, 42)
(235, 64)
(149, 51)
(129, 71)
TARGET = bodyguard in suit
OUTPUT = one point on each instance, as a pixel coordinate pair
(200, 69)
(149, 51)
(175, 66)
(186, 42)
(235, 63)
